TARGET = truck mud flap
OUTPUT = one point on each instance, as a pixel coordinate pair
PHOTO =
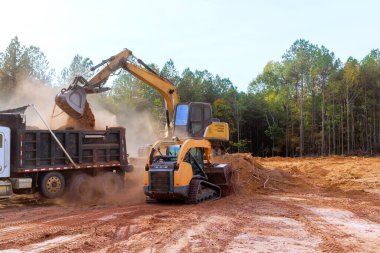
(5, 189)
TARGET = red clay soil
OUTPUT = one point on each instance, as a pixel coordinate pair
(279, 205)
(87, 121)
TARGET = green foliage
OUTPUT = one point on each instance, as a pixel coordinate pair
(274, 132)
(19, 63)
(79, 66)
(239, 146)
(308, 103)
(317, 105)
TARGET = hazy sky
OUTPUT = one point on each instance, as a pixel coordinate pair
(233, 38)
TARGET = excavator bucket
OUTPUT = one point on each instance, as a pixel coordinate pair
(72, 101)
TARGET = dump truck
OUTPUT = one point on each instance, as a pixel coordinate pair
(56, 161)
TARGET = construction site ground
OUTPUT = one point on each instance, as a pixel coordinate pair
(279, 205)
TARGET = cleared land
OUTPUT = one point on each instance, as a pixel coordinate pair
(280, 204)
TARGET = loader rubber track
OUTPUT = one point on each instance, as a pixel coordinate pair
(201, 190)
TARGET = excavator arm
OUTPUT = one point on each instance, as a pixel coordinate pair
(114, 63)
(73, 99)
(162, 85)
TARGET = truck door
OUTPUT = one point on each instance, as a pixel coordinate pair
(5, 139)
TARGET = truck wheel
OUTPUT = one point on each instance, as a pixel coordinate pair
(112, 183)
(81, 188)
(52, 185)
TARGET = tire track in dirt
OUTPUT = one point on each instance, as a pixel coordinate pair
(258, 223)
(37, 227)
(301, 215)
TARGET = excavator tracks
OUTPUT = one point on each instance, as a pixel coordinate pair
(201, 190)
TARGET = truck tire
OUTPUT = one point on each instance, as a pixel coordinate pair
(52, 185)
(81, 188)
(112, 183)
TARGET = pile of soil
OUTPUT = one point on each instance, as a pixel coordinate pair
(347, 175)
(335, 173)
(249, 176)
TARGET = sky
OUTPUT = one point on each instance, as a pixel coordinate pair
(232, 38)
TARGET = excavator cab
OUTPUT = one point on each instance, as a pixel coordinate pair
(194, 120)
(191, 119)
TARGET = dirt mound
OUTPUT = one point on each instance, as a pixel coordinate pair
(250, 176)
(336, 173)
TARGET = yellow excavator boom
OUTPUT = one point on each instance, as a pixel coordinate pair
(72, 100)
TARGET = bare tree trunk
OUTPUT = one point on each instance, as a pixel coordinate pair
(352, 130)
(342, 130)
(333, 126)
(374, 128)
(370, 138)
(301, 118)
(291, 144)
(366, 120)
(329, 124)
(348, 120)
(312, 141)
(287, 132)
(323, 126)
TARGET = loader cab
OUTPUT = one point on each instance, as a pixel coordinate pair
(166, 154)
(5, 139)
(195, 157)
(191, 119)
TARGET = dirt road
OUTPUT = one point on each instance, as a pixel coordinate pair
(281, 205)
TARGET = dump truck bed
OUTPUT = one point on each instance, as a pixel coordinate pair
(36, 150)
(39, 151)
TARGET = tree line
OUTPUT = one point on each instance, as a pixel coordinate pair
(309, 103)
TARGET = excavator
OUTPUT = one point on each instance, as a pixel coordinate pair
(178, 166)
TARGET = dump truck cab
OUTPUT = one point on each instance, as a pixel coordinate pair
(5, 136)
(5, 184)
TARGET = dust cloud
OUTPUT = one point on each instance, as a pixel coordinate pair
(97, 193)
(140, 130)
(39, 94)
(140, 125)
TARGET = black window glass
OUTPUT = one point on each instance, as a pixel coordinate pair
(196, 127)
(207, 113)
(196, 113)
